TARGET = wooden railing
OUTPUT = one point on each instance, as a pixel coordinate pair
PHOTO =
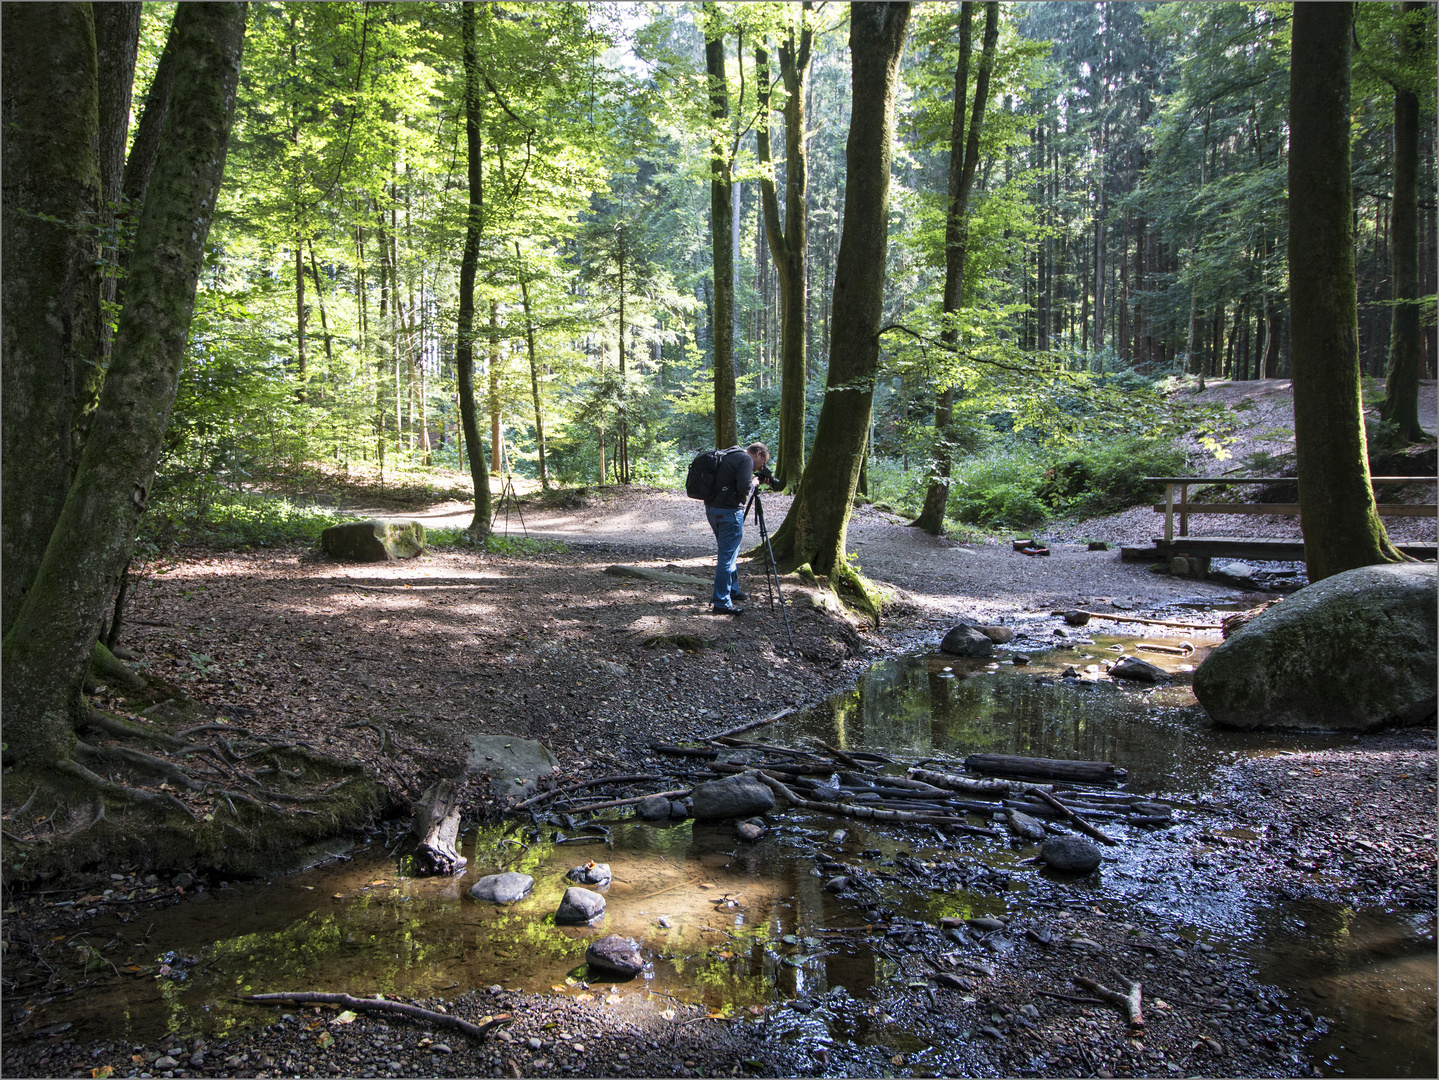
(1184, 507)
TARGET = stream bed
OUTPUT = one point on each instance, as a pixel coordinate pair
(738, 927)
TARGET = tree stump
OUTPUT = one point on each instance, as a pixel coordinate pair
(437, 825)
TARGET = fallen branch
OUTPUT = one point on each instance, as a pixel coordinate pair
(966, 785)
(1139, 619)
(843, 758)
(478, 1031)
(1070, 997)
(677, 794)
(753, 724)
(869, 812)
(1128, 1002)
(625, 779)
(683, 751)
(1079, 823)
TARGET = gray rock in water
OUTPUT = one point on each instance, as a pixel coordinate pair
(1349, 653)
(839, 836)
(591, 873)
(1070, 855)
(503, 888)
(1076, 618)
(1151, 809)
(967, 640)
(617, 954)
(655, 808)
(1137, 670)
(1000, 635)
(985, 923)
(374, 540)
(749, 830)
(737, 796)
(1024, 826)
(679, 810)
(579, 906)
(837, 884)
(1020, 659)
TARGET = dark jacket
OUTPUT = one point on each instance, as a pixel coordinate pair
(732, 479)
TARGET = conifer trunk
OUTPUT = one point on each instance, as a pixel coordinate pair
(721, 240)
(1342, 530)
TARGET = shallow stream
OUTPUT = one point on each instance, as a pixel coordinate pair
(736, 926)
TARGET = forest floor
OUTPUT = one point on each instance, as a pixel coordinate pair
(550, 647)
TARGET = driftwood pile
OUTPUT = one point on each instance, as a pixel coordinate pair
(854, 784)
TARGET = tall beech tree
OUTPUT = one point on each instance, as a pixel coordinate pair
(788, 240)
(721, 227)
(963, 161)
(814, 529)
(1342, 529)
(469, 261)
(50, 641)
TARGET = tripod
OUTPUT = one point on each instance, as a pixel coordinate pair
(771, 568)
(507, 495)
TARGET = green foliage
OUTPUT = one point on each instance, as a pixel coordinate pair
(997, 490)
(1109, 475)
(224, 518)
(513, 546)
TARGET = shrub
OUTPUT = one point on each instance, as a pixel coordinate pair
(997, 490)
(1109, 476)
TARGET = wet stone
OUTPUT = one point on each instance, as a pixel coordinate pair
(1070, 855)
(617, 954)
(1137, 670)
(982, 922)
(966, 640)
(838, 836)
(655, 808)
(955, 982)
(503, 888)
(591, 873)
(737, 796)
(837, 884)
(1024, 826)
(579, 906)
(749, 830)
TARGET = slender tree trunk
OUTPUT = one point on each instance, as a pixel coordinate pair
(534, 371)
(465, 331)
(1341, 527)
(963, 161)
(497, 435)
(814, 530)
(1406, 338)
(49, 645)
(320, 301)
(788, 242)
(721, 240)
(51, 289)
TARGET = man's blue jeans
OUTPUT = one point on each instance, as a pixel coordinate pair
(728, 526)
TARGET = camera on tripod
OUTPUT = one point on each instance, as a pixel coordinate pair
(765, 476)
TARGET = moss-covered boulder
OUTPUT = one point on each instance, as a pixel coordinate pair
(375, 540)
(1349, 653)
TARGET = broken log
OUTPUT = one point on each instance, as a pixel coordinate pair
(683, 751)
(1090, 772)
(965, 785)
(1128, 1002)
(872, 813)
(1079, 823)
(437, 826)
(1137, 619)
(630, 778)
(753, 724)
(679, 793)
(478, 1031)
(843, 758)
(788, 768)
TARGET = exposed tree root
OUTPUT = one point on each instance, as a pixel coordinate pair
(870, 598)
(120, 791)
(385, 744)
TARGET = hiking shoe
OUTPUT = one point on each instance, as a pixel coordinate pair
(730, 610)
(738, 594)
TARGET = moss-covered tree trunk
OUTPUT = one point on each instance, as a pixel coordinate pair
(721, 222)
(51, 287)
(963, 160)
(1406, 336)
(1342, 530)
(814, 530)
(50, 643)
(787, 241)
(469, 260)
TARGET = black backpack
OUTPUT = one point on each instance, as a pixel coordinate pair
(702, 481)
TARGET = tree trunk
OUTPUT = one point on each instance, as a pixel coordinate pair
(534, 372)
(788, 243)
(963, 160)
(1406, 338)
(141, 161)
(497, 434)
(49, 645)
(721, 240)
(1341, 528)
(465, 331)
(814, 530)
(51, 288)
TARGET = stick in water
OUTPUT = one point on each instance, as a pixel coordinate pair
(478, 1031)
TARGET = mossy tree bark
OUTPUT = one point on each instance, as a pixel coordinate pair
(465, 337)
(963, 160)
(721, 224)
(787, 241)
(814, 530)
(51, 287)
(1342, 529)
(1406, 335)
(51, 641)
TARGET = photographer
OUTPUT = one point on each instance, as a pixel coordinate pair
(739, 472)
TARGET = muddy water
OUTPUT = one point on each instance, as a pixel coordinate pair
(737, 927)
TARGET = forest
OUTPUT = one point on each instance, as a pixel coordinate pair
(973, 272)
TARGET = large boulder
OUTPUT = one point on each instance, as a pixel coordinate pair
(503, 888)
(967, 640)
(579, 907)
(1352, 652)
(737, 796)
(620, 955)
(1070, 855)
(374, 540)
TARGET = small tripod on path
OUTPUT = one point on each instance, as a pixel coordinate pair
(508, 497)
(771, 568)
